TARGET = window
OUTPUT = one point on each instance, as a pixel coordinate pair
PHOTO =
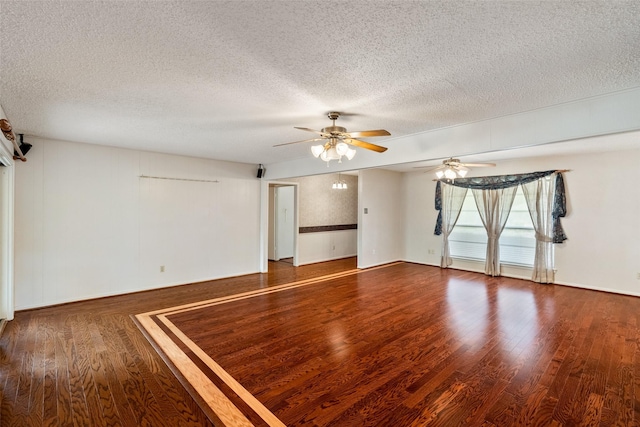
(468, 240)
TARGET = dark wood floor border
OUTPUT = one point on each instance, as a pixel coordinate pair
(187, 370)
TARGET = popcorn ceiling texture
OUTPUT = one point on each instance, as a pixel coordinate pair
(228, 80)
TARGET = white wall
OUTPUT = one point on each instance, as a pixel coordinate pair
(87, 225)
(418, 194)
(603, 221)
(327, 245)
(380, 231)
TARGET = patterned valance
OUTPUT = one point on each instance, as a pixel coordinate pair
(497, 182)
(505, 181)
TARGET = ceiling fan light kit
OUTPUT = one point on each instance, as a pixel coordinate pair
(339, 184)
(452, 168)
(339, 141)
(333, 151)
(452, 172)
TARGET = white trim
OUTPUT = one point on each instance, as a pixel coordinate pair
(528, 278)
(7, 191)
(595, 288)
(264, 222)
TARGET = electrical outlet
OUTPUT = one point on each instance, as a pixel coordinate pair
(638, 276)
(431, 252)
(162, 269)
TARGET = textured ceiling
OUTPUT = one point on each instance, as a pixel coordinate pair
(228, 80)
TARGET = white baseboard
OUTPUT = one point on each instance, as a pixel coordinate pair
(597, 288)
(528, 277)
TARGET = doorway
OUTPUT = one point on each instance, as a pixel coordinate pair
(283, 220)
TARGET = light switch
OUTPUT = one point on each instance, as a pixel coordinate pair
(366, 210)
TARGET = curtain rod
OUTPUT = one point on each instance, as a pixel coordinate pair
(557, 171)
(178, 179)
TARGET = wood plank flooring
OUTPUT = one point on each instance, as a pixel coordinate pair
(404, 345)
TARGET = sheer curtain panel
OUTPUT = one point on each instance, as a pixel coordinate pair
(540, 201)
(545, 195)
(452, 199)
(494, 207)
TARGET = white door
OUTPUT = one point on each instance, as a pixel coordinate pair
(284, 211)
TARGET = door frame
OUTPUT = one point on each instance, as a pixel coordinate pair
(7, 193)
(265, 213)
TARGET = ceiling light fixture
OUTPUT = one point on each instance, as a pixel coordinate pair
(452, 172)
(338, 142)
(334, 149)
(339, 184)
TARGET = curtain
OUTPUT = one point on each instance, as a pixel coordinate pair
(498, 181)
(450, 205)
(545, 195)
(506, 181)
(539, 195)
(559, 210)
(494, 207)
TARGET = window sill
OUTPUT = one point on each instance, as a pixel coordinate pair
(517, 271)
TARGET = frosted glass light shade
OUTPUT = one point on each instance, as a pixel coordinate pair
(329, 155)
(450, 174)
(316, 150)
(439, 174)
(462, 173)
(332, 154)
(342, 148)
(350, 153)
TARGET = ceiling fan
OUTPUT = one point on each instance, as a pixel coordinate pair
(337, 141)
(453, 168)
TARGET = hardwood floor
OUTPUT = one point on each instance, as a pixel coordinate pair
(87, 363)
(404, 345)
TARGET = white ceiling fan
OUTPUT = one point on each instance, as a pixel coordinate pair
(453, 168)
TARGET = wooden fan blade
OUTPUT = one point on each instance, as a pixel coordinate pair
(314, 131)
(367, 133)
(367, 145)
(431, 168)
(298, 142)
(478, 165)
